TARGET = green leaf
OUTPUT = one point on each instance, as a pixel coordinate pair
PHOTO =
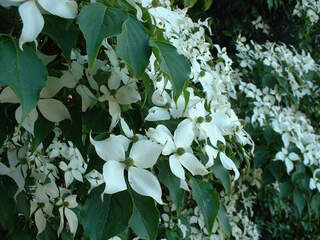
(133, 46)
(174, 65)
(66, 236)
(22, 204)
(299, 200)
(98, 22)
(189, 3)
(315, 204)
(206, 4)
(222, 174)
(23, 71)
(48, 234)
(261, 157)
(145, 218)
(42, 129)
(207, 199)
(286, 189)
(172, 235)
(107, 218)
(172, 183)
(7, 206)
(54, 27)
(224, 220)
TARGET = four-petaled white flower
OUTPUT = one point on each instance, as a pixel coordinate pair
(66, 203)
(143, 154)
(32, 19)
(284, 155)
(179, 146)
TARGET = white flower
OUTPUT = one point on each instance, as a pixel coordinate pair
(16, 170)
(32, 19)
(41, 205)
(288, 158)
(143, 154)
(66, 203)
(179, 146)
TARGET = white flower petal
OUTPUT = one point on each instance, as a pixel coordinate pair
(229, 164)
(62, 8)
(8, 96)
(114, 80)
(115, 111)
(4, 170)
(176, 167)
(68, 178)
(53, 110)
(113, 174)
(72, 200)
(77, 175)
(61, 221)
(145, 183)
(145, 153)
(212, 154)
(213, 133)
(63, 166)
(293, 156)
(88, 99)
(289, 165)
(125, 128)
(192, 164)
(285, 139)
(29, 121)
(72, 220)
(157, 114)
(109, 149)
(127, 95)
(32, 22)
(53, 86)
(40, 221)
(184, 135)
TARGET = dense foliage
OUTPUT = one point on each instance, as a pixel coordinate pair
(140, 119)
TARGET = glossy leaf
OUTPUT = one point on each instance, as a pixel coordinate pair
(54, 27)
(97, 22)
(42, 129)
(145, 218)
(299, 200)
(133, 46)
(222, 174)
(207, 198)
(174, 65)
(172, 183)
(107, 218)
(224, 220)
(23, 71)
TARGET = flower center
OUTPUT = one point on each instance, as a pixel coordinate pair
(128, 162)
(200, 120)
(180, 151)
(113, 92)
(135, 139)
(41, 205)
(208, 118)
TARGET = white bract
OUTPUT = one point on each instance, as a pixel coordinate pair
(30, 13)
(143, 154)
(179, 146)
(65, 205)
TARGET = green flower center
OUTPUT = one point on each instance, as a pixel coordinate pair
(180, 151)
(128, 162)
(135, 139)
(41, 205)
(200, 120)
(208, 118)
(113, 92)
